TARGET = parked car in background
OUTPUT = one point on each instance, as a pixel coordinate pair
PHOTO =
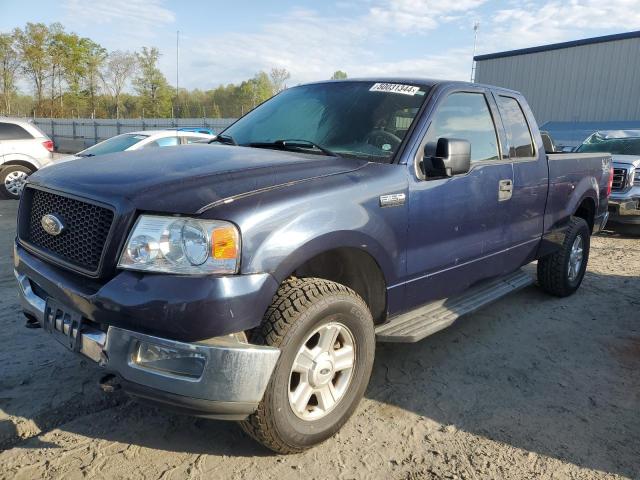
(142, 139)
(250, 281)
(24, 148)
(624, 203)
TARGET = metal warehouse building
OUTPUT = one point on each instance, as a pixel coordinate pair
(574, 88)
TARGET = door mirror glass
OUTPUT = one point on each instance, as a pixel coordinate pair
(452, 157)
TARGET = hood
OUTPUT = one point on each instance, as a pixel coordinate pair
(186, 179)
(627, 159)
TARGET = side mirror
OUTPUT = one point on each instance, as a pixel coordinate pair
(453, 157)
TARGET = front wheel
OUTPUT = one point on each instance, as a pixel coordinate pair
(13, 178)
(561, 273)
(326, 336)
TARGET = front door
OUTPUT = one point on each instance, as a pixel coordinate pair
(458, 226)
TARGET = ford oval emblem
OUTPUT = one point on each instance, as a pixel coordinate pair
(52, 224)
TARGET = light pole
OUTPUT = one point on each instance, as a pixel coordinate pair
(476, 26)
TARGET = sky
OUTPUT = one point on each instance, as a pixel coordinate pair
(227, 42)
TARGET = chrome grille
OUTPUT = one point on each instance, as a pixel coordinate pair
(619, 178)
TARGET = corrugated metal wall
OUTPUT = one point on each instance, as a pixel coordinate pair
(597, 82)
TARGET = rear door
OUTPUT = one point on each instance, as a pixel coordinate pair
(530, 180)
(458, 226)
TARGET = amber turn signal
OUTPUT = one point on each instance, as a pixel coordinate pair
(224, 243)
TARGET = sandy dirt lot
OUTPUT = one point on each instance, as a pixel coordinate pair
(530, 387)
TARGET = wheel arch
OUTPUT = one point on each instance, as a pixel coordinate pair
(586, 210)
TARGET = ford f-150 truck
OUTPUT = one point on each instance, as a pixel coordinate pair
(624, 202)
(250, 279)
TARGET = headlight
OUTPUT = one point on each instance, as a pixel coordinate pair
(181, 245)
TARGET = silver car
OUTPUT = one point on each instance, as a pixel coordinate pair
(24, 148)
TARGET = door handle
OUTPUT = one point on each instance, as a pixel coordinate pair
(505, 190)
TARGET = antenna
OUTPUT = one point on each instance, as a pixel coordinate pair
(476, 26)
(177, 62)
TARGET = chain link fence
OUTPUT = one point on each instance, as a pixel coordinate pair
(73, 135)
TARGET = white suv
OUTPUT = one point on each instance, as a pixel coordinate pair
(24, 148)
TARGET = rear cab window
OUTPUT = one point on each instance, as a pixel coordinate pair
(516, 127)
(11, 131)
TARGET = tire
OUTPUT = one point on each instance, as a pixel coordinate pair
(12, 179)
(300, 308)
(554, 276)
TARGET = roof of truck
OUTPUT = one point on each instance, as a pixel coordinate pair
(421, 82)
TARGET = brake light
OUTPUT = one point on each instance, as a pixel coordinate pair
(610, 183)
(48, 144)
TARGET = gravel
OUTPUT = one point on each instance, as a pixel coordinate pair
(529, 387)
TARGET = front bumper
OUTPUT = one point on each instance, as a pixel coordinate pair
(625, 208)
(232, 382)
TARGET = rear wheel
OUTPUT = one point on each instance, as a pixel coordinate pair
(325, 333)
(12, 180)
(561, 273)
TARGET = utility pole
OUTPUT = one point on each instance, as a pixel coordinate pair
(177, 59)
(177, 64)
(476, 26)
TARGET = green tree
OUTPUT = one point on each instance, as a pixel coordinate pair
(94, 58)
(32, 46)
(9, 64)
(151, 85)
(339, 75)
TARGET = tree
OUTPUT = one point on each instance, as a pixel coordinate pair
(95, 56)
(339, 75)
(9, 64)
(151, 84)
(119, 68)
(278, 78)
(32, 45)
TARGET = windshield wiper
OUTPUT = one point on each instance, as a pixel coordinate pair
(225, 139)
(87, 155)
(293, 144)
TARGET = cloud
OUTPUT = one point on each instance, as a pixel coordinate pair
(312, 46)
(418, 15)
(132, 18)
(531, 24)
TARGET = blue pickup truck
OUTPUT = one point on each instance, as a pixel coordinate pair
(250, 279)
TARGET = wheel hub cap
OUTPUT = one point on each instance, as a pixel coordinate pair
(14, 182)
(575, 259)
(322, 371)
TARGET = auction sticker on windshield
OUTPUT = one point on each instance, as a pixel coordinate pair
(395, 88)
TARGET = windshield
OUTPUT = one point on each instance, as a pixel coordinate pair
(364, 120)
(115, 144)
(614, 146)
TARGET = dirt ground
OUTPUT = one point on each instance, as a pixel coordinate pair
(529, 387)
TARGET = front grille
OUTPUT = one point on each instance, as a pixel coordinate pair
(619, 178)
(86, 228)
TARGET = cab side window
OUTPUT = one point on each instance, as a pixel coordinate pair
(465, 116)
(516, 128)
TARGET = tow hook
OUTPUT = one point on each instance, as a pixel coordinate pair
(32, 322)
(109, 383)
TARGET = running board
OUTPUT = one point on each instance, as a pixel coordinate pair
(426, 320)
